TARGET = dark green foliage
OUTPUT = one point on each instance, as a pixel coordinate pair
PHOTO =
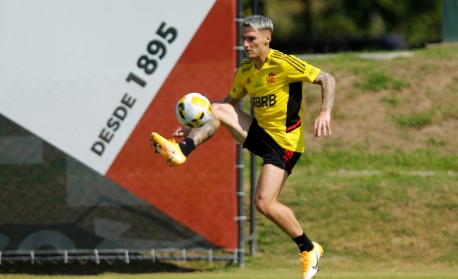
(418, 21)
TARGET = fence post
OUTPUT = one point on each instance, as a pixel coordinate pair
(240, 189)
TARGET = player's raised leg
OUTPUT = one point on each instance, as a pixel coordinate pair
(169, 149)
(236, 121)
(232, 118)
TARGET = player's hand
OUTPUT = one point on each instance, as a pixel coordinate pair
(323, 124)
(181, 132)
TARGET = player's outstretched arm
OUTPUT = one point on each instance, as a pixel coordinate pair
(328, 86)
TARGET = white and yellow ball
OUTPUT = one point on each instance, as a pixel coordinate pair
(193, 110)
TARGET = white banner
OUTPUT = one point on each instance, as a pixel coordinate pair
(81, 73)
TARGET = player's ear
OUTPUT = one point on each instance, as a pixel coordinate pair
(268, 39)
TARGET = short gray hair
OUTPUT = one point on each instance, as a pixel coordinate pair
(259, 22)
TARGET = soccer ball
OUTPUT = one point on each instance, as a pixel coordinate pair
(193, 110)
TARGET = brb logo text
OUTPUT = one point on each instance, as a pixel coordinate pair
(148, 63)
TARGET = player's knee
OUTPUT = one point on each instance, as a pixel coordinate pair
(263, 206)
(218, 108)
(221, 110)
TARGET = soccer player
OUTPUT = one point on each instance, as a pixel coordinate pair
(273, 80)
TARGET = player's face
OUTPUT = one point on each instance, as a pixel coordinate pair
(255, 42)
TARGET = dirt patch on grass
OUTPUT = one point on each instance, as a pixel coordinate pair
(414, 108)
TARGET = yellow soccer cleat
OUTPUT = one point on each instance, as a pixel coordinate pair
(310, 261)
(169, 149)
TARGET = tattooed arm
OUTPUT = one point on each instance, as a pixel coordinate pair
(328, 86)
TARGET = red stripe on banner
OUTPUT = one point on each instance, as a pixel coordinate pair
(201, 193)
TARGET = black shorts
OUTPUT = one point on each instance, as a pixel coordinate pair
(263, 145)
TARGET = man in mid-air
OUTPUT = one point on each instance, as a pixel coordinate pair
(273, 80)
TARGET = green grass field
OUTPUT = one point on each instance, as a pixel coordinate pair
(380, 194)
(249, 273)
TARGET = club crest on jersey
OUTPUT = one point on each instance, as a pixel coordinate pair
(270, 78)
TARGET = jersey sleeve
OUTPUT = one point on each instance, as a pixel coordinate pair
(300, 70)
(238, 90)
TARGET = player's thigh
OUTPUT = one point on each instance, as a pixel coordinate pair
(271, 181)
(236, 121)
